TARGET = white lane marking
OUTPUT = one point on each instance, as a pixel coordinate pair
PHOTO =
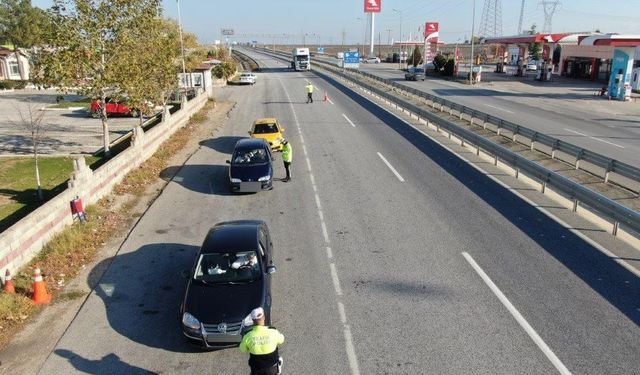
(321, 215)
(343, 315)
(518, 317)
(594, 138)
(575, 132)
(336, 281)
(324, 232)
(498, 108)
(329, 253)
(318, 203)
(351, 351)
(391, 167)
(330, 101)
(304, 148)
(349, 121)
(313, 180)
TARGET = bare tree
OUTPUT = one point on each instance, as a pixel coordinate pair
(31, 119)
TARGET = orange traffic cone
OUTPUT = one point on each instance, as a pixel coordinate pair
(40, 295)
(8, 283)
(326, 97)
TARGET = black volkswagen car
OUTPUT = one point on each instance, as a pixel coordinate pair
(250, 167)
(231, 276)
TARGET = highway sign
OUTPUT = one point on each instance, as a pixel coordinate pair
(351, 60)
(321, 50)
(226, 31)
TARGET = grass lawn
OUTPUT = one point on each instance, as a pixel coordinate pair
(84, 102)
(18, 190)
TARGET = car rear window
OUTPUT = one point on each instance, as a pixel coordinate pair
(265, 129)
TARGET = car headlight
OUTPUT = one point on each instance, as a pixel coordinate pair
(265, 178)
(235, 180)
(190, 321)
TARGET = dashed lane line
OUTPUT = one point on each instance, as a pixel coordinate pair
(391, 167)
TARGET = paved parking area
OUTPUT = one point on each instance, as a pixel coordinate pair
(66, 132)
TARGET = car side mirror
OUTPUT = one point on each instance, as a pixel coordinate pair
(228, 161)
(271, 269)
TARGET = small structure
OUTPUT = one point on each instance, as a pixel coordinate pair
(9, 69)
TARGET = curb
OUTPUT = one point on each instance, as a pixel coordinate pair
(62, 109)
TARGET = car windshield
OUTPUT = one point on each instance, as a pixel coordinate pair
(254, 156)
(224, 268)
(265, 129)
(419, 70)
(302, 57)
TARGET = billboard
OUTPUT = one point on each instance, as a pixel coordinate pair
(431, 31)
(226, 31)
(372, 6)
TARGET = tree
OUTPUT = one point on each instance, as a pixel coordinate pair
(416, 57)
(439, 60)
(449, 67)
(22, 26)
(31, 118)
(89, 49)
(535, 50)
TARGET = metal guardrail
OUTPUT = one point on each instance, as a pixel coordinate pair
(609, 165)
(618, 213)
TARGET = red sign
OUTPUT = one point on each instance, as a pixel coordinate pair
(372, 6)
(431, 31)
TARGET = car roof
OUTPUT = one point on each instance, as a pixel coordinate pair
(266, 120)
(249, 143)
(232, 236)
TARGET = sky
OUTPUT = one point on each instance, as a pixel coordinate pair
(326, 21)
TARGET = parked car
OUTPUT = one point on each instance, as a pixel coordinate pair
(247, 78)
(414, 73)
(532, 65)
(231, 276)
(114, 106)
(268, 129)
(372, 60)
(251, 166)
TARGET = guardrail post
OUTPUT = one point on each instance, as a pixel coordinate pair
(477, 150)
(543, 187)
(533, 141)
(471, 119)
(616, 224)
(515, 132)
(484, 123)
(450, 111)
(575, 204)
(461, 113)
(461, 141)
(608, 171)
(495, 160)
(499, 126)
(553, 149)
(578, 158)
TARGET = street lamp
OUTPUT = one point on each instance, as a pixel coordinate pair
(184, 73)
(364, 28)
(400, 39)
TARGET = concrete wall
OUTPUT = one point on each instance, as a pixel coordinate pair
(22, 241)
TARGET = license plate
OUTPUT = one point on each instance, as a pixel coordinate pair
(250, 187)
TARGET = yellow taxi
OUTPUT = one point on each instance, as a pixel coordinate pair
(270, 130)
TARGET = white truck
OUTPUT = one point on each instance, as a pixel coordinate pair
(301, 59)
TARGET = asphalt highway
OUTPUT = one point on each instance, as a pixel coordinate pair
(609, 128)
(393, 256)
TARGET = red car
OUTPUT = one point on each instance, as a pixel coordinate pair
(114, 107)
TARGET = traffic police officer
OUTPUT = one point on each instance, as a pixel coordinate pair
(262, 345)
(287, 156)
(309, 88)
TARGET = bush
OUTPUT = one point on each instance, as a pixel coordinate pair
(449, 67)
(8, 85)
(439, 61)
(225, 70)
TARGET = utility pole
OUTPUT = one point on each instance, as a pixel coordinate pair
(344, 35)
(389, 37)
(184, 72)
(400, 39)
(473, 27)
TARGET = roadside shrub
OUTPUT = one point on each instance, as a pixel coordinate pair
(449, 67)
(439, 61)
(8, 85)
(225, 70)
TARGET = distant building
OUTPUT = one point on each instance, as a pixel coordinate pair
(9, 69)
